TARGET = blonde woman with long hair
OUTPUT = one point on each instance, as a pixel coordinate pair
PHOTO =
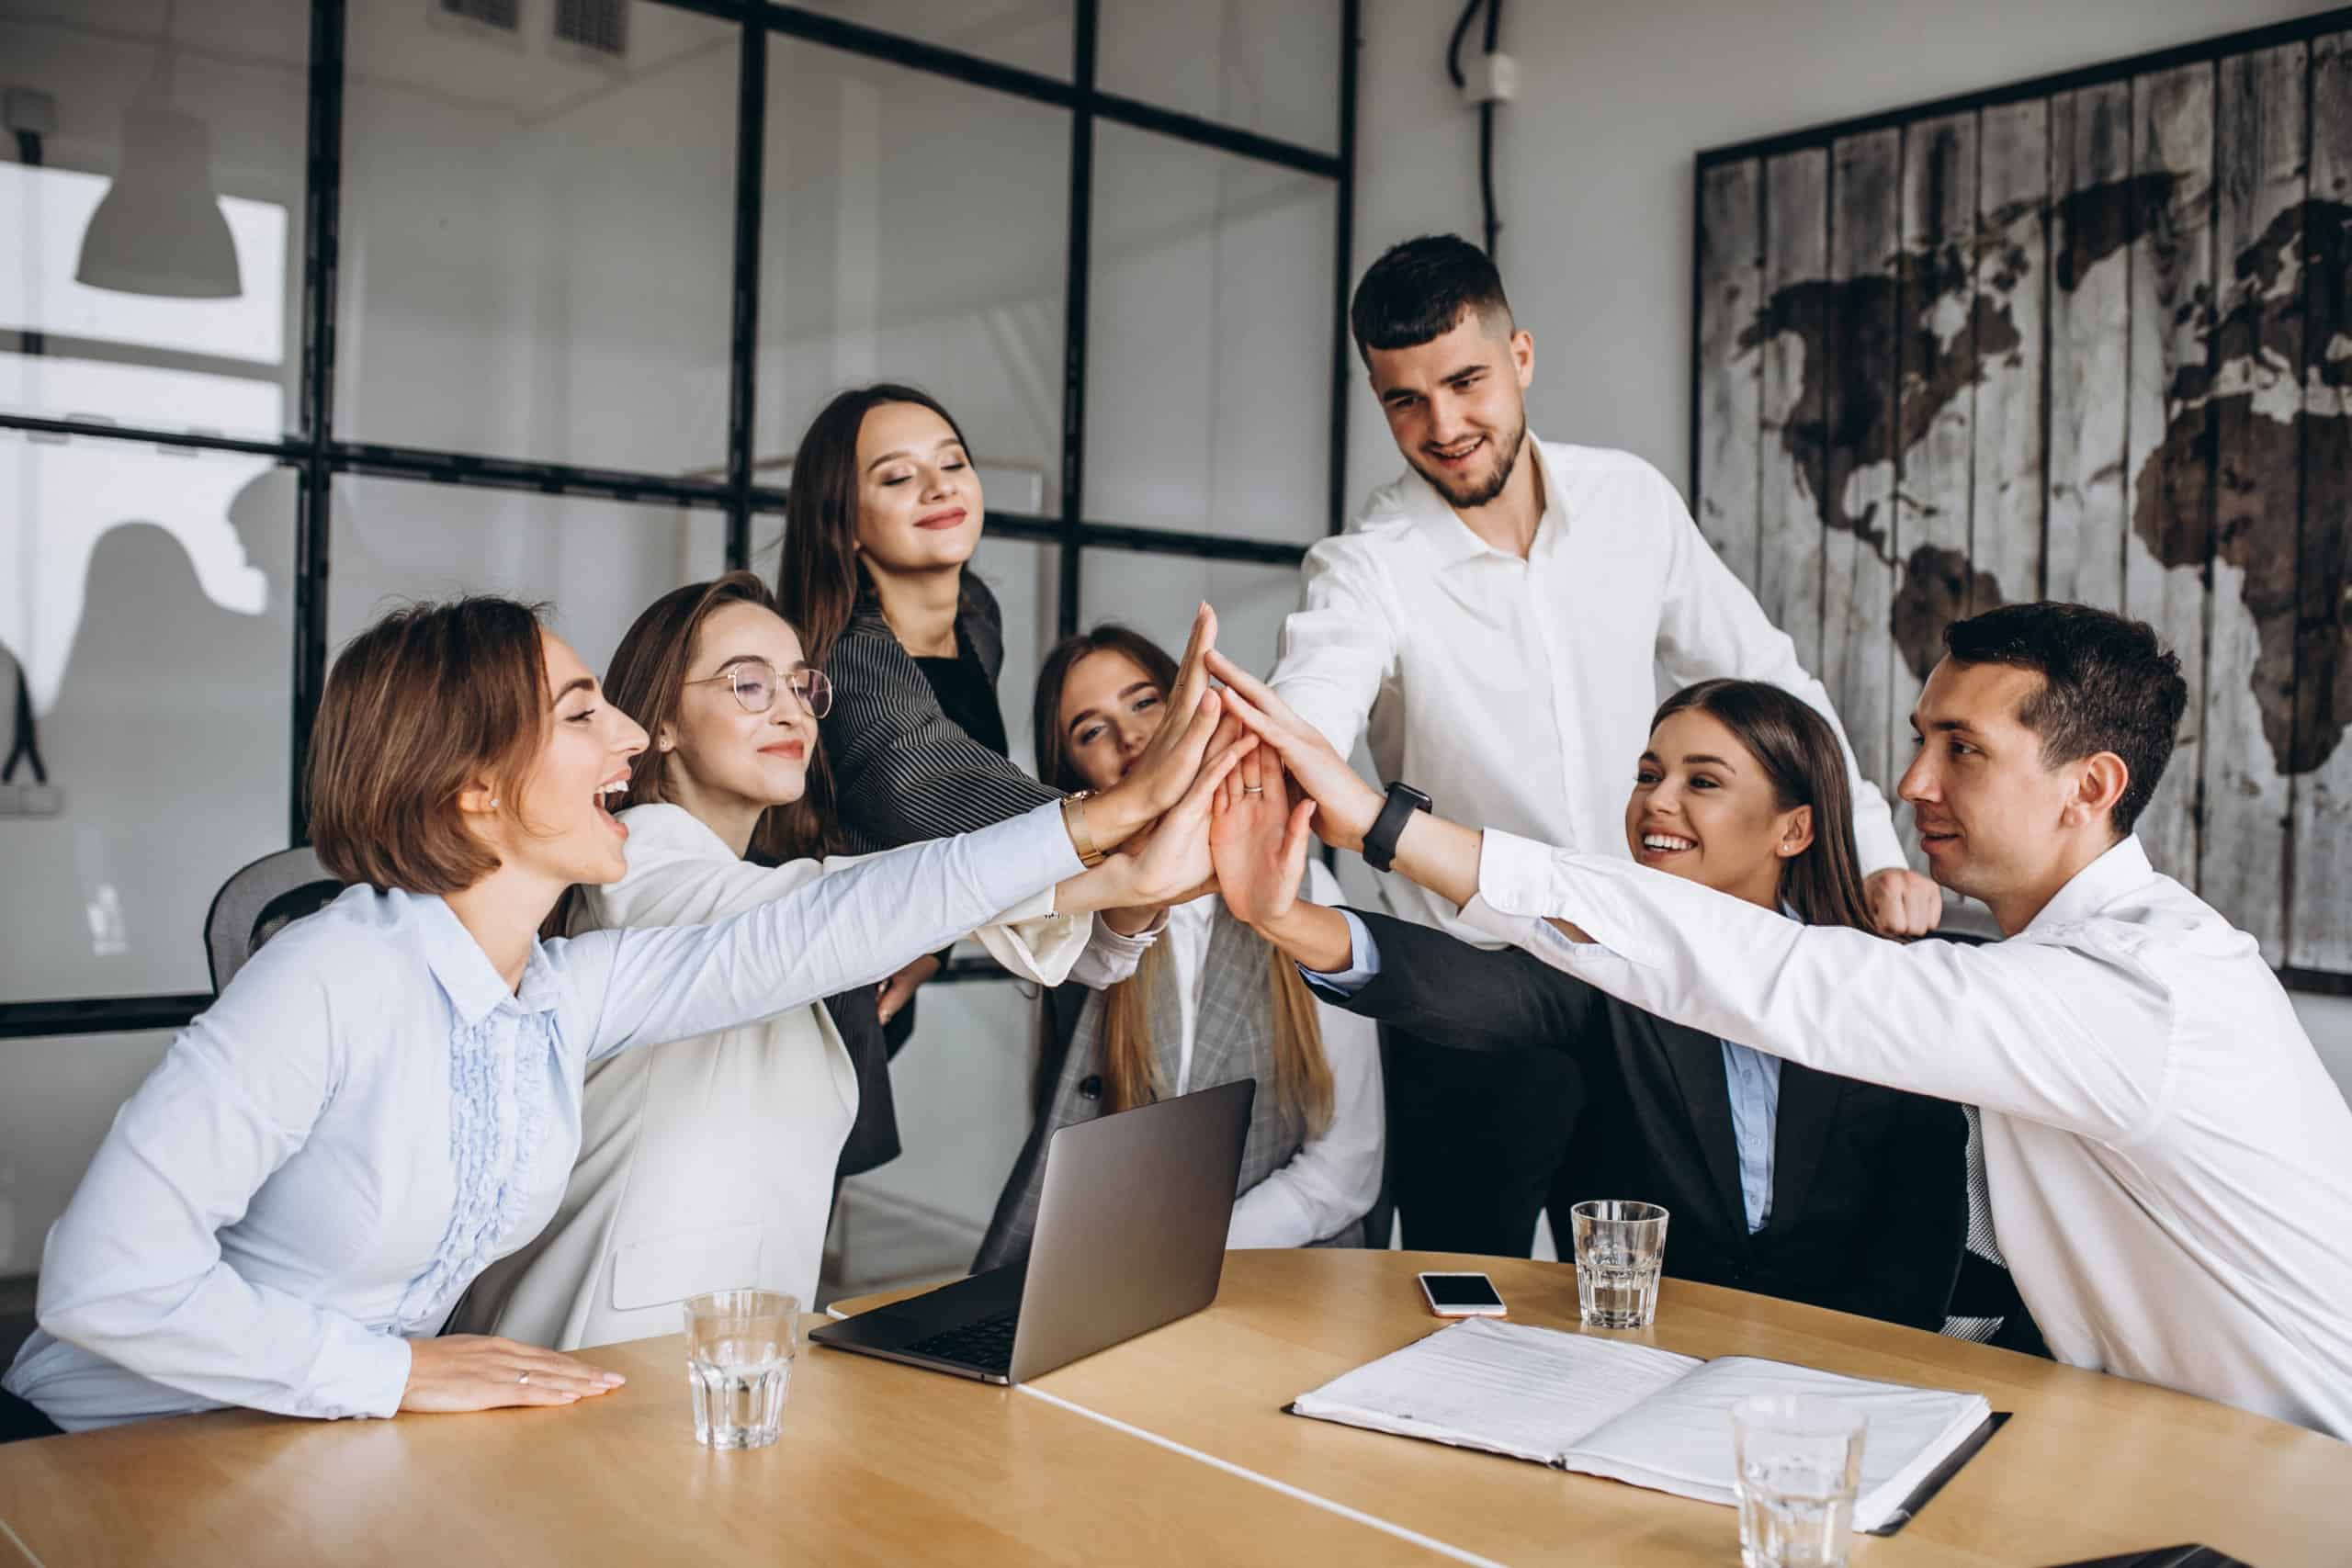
(1211, 1002)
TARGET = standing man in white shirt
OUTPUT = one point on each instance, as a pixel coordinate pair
(2170, 1165)
(1494, 623)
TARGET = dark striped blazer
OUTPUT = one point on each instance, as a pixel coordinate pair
(902, 770)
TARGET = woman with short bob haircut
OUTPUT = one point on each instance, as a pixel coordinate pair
(387, 1097)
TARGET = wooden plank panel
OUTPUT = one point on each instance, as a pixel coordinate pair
(1730, 371)
(2168, 471)
(1793, 335)
(2255, 354)
(2319, 923)
(2091, 149)
(1858, 505)
(2013, 286)
(1935, 433)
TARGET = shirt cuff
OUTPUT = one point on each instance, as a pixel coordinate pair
(1364, 963)
(1524, 885)
(364, 1372)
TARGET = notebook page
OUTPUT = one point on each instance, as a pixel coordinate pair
(1505, 1388)
(1680, 1441)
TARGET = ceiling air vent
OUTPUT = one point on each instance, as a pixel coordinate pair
(600, 26)
(506, 15)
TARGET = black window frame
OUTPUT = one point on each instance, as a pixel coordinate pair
(317, 453)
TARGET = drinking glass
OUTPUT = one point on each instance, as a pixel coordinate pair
(1798, 1464)
(1621, 1246)
(739, 1346)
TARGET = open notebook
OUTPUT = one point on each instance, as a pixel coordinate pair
(1632, 1412)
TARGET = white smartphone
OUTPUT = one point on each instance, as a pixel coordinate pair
(1462, 1295)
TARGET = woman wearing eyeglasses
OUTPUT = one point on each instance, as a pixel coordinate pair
(709, 1164)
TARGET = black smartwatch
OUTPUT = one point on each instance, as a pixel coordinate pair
(1380, 839)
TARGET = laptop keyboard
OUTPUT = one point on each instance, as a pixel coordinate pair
(987, 1344)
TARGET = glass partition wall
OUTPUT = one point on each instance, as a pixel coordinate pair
(305, 308)
(308, 306)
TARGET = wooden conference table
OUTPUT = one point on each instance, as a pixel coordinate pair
(1170, 1449)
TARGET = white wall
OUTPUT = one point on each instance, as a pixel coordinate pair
(1593, 174)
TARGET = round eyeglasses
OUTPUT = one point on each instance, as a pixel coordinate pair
(755, 683)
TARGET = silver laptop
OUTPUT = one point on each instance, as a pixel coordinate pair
(1130, 1228)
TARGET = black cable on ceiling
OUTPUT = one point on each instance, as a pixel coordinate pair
(1494, 10)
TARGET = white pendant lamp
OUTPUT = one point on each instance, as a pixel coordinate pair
(159, 229)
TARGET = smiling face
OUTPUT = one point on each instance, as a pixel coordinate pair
(1704, 808)
(1996, 821)
(563, 831)
(719, 758)
(1457, 404)
(917, 500)
(1110, 709)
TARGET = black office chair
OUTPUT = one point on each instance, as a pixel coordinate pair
(259, 901)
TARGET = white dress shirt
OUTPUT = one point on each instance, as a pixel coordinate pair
(1335, 1175)
(367, 1117)
(709, 1164)
(2170, 1165)
(1518, 693)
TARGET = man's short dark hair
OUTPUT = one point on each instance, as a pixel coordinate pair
(1418, 290)
(2106, 685)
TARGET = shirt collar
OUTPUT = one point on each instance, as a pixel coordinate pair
(1442, 527)
(474, 988)
(2091, 890)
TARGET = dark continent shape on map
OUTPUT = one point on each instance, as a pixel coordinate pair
(2260, 472)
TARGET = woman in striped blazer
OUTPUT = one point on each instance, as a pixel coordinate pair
(883, 518)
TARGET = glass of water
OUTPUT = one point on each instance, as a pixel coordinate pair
(1799, 1463)
(739, 1346)
(1621, 1246)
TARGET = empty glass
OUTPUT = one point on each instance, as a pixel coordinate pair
(1799, 1462)
(1621, 1246)
(739, 1346)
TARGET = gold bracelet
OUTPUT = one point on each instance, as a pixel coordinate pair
(1074, 821)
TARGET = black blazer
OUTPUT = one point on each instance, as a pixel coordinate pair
(1870, 1200)
(903, 771)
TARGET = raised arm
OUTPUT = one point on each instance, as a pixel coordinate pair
(1338, 647)
(848, 928)
(2072, 1037)
(1434, 985)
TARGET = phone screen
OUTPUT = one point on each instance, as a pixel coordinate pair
(1461, 1291)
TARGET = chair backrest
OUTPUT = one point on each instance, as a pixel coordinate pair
(254, 904)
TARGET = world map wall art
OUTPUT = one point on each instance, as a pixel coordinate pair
(2085, 338)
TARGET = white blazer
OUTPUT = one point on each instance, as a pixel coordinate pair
(708, 1164)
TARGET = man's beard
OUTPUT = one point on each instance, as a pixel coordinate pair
(1478, 493)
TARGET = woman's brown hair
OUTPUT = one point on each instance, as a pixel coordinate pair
(818, 579)
(428, 702)
(1801, 757)
(1302, 1073)
(647, 680)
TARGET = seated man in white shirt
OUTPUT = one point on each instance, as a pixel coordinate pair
(2170, 1165)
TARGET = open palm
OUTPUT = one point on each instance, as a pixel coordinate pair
(1258, 842)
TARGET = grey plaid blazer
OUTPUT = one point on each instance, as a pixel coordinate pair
(1232, 1039)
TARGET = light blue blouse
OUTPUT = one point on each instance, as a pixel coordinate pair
(368, 1118)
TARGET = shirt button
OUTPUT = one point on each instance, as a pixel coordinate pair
(1090, 1087)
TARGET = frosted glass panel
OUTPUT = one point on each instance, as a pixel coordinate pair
(915, 232)
(599, 563)
(1209, 355)
(153, 628)
(1271, 66)
(538, 246)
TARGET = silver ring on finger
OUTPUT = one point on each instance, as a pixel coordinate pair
(1253, 789)
(524, 1376)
